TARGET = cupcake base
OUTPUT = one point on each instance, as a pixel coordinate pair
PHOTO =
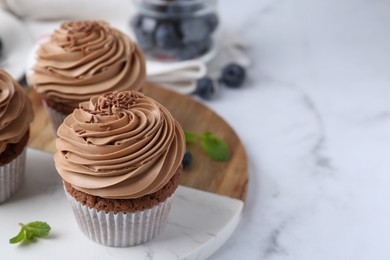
(127, 205)
(12, 176)
(122, 222)
(120, 229)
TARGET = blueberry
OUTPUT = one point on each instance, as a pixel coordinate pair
(194, 49)
(144, 40)
(144, 28)
(211, 21)
(205, 88)
(233, 75)
(189, 51)
(206, 45)
(148, 24)
(136, 21)
(166, 36)
(194, 30)
(187, 159)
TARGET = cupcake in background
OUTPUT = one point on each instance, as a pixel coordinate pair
(15, 118)
(83, 59)
(120, 157)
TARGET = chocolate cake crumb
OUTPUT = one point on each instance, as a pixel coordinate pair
(13, 150)
(127, 205)
(59, 107)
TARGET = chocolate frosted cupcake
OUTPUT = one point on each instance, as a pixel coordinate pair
(15, 117)
(83, 59)
(120, 158)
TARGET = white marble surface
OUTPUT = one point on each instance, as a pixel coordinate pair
(198, 224)
(315, 119)
(314, 116)
(16, 44)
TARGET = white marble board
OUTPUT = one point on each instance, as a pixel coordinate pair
(199, 223)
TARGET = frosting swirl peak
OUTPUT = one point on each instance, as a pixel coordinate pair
(15, 111)
(87, 58)
(120, 145)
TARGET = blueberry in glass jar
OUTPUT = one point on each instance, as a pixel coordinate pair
(177, 29)
(144, 28)
(212, 21)
(167, 37)
(194, 49)
(194, 30)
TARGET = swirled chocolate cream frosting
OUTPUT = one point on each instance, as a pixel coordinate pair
(15, 111)
(86, 58)
(120, 145)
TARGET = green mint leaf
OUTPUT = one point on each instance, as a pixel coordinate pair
(190, 137)
(31, 231)
(19, 237)
(38, 229)
(29, 235)
(215, 147)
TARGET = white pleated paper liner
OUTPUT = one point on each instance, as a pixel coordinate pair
(55, 117)
(12, 176)
(120, 230)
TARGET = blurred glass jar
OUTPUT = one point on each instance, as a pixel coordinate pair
(176, 30)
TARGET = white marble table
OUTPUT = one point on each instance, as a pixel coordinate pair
(315, 119)
(314, 116)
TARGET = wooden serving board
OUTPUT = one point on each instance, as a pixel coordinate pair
(224, 178)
